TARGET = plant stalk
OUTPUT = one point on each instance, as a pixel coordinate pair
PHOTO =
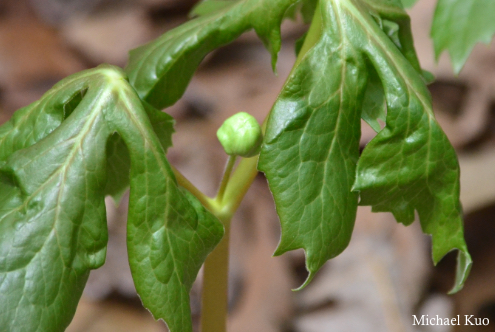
(226, 178)
(185, 183)
(214, 302)
(232, 190)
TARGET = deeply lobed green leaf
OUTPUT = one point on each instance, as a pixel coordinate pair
(311, 146)
(52, 227)
(52, 212)
(459, 24)
(161, 69)
(410, 165)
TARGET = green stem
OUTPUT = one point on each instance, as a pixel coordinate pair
(246, 171)
(214, 305)
(186, 184)
(312, 37)
(225, 179)
(239, 184)
(232, 190)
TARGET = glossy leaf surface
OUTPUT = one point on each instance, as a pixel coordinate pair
(161, 70)
(410, 165)
(311, 147)
(118, 160)
(52, 213)
(459, 24)
(48, 242)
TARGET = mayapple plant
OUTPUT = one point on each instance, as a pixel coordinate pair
(100, 131)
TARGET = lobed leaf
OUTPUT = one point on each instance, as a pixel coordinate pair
(52, 226)
(459, 24)
(410, 165)
(311, 145)
(168, 63)
(52, 213)
(169, 233)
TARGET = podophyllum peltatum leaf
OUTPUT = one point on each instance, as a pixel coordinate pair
(168, 63)
(52, 213)
(410, 165)
(311, 145)
(118, 160)
(459, 24)
(52, 229)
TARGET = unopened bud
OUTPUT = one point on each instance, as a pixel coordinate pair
(240, 135)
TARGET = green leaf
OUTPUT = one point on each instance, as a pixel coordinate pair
(308, 10)
(35, 121)
(428, 76)
(165, 257)
(118, 159)
(169, 232)
(394, 21)
(52, 229)
(459, 24)
(52, 211)
(161, 70)
(118, 168)
(392, 30)
(207, 7)
(410, 165)
(408, 3)
(299, 43)
(392, 13)
(311, 145)
(374, 104)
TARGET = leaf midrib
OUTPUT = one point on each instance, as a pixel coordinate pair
(366, 27)
(50, 94)
(198, 22)
(153, 147)
(62, 168)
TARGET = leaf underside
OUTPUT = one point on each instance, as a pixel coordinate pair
(53, 165)
(459, 24)
(312, 140)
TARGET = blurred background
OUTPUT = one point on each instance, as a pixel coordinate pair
(384, 276)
